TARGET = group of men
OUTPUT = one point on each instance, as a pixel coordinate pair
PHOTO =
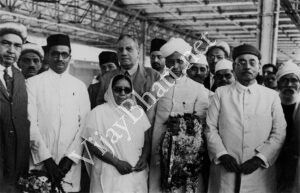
(248, 125)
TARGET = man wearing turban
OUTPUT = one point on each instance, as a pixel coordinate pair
(288, 77)
(180, 95)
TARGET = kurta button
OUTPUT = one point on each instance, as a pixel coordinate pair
(11, 132)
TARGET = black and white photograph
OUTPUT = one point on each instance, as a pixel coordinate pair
(149, 96)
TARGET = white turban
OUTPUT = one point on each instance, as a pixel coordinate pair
(31, 47)
(176, 45)
(288, 68)
(223, 64)
(199, 59)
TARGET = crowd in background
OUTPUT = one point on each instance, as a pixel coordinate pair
(106, 138)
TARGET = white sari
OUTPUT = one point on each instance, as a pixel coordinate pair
(121, 136)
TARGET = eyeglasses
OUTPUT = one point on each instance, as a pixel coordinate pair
(119, 90)
(221, 76)
(56, 55)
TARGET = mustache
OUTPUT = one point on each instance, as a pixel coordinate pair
(31, 68)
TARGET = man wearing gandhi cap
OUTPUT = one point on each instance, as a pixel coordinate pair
(288, 77)
(174, 100)
(14, 125)
(198, 70)
(246, 129)
(223, 74)
(58, 104)
(31, 58)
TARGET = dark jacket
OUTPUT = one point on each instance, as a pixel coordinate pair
(93, 90)
(14, 133)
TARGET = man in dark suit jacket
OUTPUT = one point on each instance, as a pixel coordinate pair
(14, 125)
(142, 77)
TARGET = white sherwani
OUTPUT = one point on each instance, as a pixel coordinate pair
(244, 122)
(57, 106)
(184, 96)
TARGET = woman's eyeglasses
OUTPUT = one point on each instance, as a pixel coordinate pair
(119, 90)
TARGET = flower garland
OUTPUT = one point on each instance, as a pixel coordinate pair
(182, 152)
(37, 181)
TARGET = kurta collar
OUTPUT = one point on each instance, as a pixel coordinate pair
(181, 80)
(56, 75)
(241, 88)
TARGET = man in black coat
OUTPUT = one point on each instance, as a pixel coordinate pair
(14, 125)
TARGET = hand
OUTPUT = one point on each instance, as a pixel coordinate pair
(55, 173)
(65, 165)
(251, 165)
(141, 164)
(229, 163)
(123, 167)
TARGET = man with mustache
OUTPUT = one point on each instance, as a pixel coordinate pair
(57, 105)
(288, 77)
(14, 125)
(215, 53)
(224, 74)
(156, 59)
(198, 69)
(269, 76)
(246, 130)
(128, 55)
(31, 58)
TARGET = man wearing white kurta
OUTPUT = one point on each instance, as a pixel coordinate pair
(58, 104)
(246, 129)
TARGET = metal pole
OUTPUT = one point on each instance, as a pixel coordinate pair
(267, 31)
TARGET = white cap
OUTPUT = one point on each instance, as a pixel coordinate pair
(223, 64)
(199, 59)
(31, 47)
(220, 44)
(288, 67)
(176, 45)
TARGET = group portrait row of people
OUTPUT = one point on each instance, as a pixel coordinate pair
(112, 136)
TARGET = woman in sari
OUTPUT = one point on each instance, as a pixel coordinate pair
(117, 138)
(180, 95)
